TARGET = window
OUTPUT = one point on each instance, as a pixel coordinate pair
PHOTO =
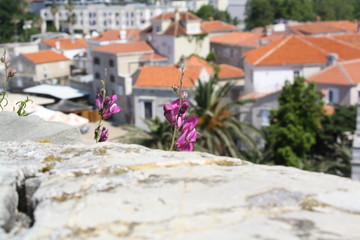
(116, 14)
(296, 74)
(96, 61)
(332, 95)
(97, 76)
(148, 113)
(112, 78)
(111, 63)
(265, 117)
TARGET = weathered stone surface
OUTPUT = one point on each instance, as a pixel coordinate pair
(114, 191)
(19, 129)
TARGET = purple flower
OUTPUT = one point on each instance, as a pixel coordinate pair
(188, 135)
(104, 134)
(171, 112)
(99, 101)
(112, 109)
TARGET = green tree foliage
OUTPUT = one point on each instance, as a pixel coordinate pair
(259, 13)
(263, 12)
(294, 126)
(14, 15)
(207, 11)
(332, 151)
(223, 134)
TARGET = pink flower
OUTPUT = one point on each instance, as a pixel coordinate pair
(104, 134)
(171, 112)
(99, 101)
(112, 109)
(188, 135)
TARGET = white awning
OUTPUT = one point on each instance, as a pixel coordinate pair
(58, 91)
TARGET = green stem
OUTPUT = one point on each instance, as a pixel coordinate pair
(177, 117)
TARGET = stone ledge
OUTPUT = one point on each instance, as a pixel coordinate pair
(112, 191)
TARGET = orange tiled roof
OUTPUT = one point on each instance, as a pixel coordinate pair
(301, 50)
(152, 56)
(257, 95)
(195, 61)
(66, 43)
(119, 48)
(228, 71)
(46, 56)
(345, 51)
(175, 29)
(341, 73)
(245, 38)
(184, 16)
(213, 26)
(166, 76)
(311, 28)
(353, 38)
(114, 35)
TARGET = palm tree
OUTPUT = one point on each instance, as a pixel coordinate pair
(71, 16)
(223, 133)
(55, 12)
(157, 136)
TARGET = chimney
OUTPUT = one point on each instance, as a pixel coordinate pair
(331, 59)
(211, 18)
(268, 30)
(318, 18)
(176, 15)
(122, 34)
(57, 45)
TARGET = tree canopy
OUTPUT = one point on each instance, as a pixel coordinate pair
(263, 12)
(207, 11)
(295, 124)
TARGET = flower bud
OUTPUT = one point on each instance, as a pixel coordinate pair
(7, 64)
(2, 59)
(11, 73)
(184, 107)
(176, 89)
(184, 94)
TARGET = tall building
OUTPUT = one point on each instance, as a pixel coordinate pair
(102, 17)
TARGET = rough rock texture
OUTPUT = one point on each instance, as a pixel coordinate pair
(19, 129)
(113, 191)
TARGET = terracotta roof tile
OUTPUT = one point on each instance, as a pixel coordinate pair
(345, 51)
(114, 35)
(184, 16)
(195, 61)
(46, 56)
(245, 38)
(341, 73)
(175, 29)
(214, 26)
(119, 48)
(166, 76)
(152, 56)
(66, 43)
(335, 27)
(257, 95)
(353, 38)
(228, 71)
(300, 50)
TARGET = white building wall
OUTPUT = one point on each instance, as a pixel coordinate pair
(72, 52)
(272, 79)
(309, 71)
(187, 45)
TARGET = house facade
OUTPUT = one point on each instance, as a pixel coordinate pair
(40, 67)
(177, 34)
(152, 89)
(339, 82)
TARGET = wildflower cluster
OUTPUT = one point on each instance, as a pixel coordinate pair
(106, 107)
(175, 113)
(9, 74)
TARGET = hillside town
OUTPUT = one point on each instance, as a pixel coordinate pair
(137, 48)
